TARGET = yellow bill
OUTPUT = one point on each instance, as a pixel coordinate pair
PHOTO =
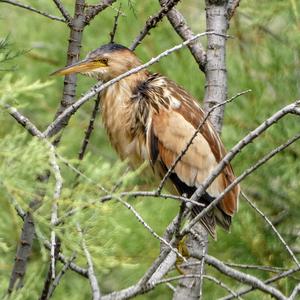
(80, 67)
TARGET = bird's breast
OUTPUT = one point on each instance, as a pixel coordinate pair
(119, 119)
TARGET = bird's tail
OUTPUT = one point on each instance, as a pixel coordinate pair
(212, 217)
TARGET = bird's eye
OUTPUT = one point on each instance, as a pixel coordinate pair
(103, 60)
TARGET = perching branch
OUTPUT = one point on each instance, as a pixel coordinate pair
(25, 6)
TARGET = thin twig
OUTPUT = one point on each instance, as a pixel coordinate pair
(221, 284)
(295, 292)
(268, 220)
(90, 128)
(56, 196)
(256, 267)
(114, 30)
(242, 277)
(246, 290)
(25, 122)
(179, 24)
(59, 276)
(63, 11)
(16, 3)
(197, 130)
(143, 222)
(53, 128)
(152, 22)
(93, 10)
(91, 272)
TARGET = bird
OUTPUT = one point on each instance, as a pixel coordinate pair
(149, 117)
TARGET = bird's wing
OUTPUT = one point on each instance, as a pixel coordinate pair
(174, 117)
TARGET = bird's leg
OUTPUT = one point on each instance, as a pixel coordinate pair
(182, 249)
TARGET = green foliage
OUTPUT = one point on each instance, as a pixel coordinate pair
(264, 56)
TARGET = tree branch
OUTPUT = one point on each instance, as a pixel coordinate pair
(63, 11)
(93, 10)
(25, 6)
(91, 272)
(215, 69)
(90, 129)
(242, 277)
(153, 21)
(282, 275)
(59, 276)
(179, 24)
(231, 8)
(281, 239)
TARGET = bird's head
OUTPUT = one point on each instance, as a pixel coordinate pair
(104, 63)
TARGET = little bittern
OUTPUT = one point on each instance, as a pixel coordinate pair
(149, 117)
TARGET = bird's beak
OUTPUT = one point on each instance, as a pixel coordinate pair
(80, 67)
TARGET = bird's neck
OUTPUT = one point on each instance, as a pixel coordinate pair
(118, 111)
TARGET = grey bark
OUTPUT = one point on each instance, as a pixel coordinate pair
(216, 73)
(191, 288)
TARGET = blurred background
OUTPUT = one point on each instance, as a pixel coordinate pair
(263, 55)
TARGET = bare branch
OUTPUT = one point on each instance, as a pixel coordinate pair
(244, 291)
(114, 30)
(222, 284)
(93, 10)
(266, 218)
(153, 21)
(59, 276)
(179, 24)
(90, 129)
(215, 68)
(25, 6)
(91, 273)
(25, 122)
(231, 8)
(295, 292)
(63, 11)
(242, 277)
(256, 267)
(143, 222)
(54, 127)
(54, 212)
